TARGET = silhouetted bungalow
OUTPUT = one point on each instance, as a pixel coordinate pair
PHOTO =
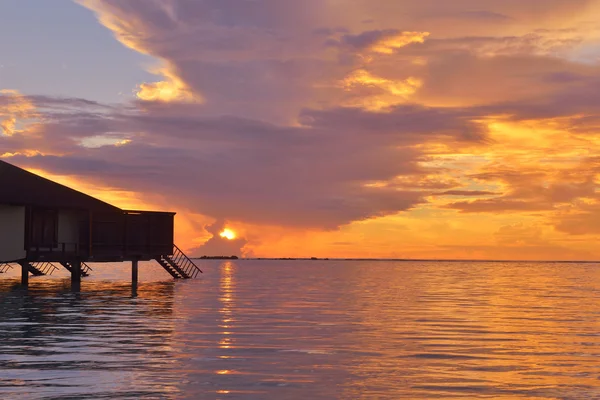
(43, 222)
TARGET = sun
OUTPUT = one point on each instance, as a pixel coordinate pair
(228, 234)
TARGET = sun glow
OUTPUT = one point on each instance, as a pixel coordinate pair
(228, 234)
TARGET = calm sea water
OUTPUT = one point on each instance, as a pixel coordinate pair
(306, 330)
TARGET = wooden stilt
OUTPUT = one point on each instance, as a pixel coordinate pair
(134, 272)
(76, 271)
(24, 273)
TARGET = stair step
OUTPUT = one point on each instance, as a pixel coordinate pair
(85, 269)
(178, 264)
(39, 268)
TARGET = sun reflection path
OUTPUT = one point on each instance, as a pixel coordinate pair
(227, 286)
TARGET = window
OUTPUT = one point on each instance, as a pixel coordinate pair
(44, 228)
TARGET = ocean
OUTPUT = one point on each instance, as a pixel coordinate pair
(259, 329)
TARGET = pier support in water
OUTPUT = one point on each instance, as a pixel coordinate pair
(24, 273)
(76, 276)
(76, 271)
(134, 278)
(134, 272)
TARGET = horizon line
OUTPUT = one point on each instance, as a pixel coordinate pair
(395, 259)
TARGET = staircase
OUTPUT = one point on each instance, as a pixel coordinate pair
(178, 265)
(85, 269)
(4, 267)
(39, 268)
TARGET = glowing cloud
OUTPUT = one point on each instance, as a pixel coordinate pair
(390, 92)
(172, 89)
(8, 125)
(403, 89)
(14, 109)
(388, 45)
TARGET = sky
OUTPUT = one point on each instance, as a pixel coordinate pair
(326, 128)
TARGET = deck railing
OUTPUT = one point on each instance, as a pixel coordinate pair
(62, 249)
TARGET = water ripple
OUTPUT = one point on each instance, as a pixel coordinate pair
(298, 330)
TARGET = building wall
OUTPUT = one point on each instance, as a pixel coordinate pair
(12, 233)
(68, 229)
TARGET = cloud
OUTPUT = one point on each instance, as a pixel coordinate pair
(475, 193)
(170, 90)
(220, 246)
(533, 190)
(300, 115)
(376, 93)
(485, 15)
(379, 41)
(317, 174)
(15, 109)
(262, 59)
(583, 220)
(498, 205)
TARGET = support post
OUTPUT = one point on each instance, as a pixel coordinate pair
(76, 271)
(134, 272)
(24, 273)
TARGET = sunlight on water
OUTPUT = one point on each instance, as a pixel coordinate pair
(306, 330)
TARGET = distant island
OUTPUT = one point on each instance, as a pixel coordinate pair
(218, 258)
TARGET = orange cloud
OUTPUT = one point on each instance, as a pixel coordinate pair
(391, 92)
(173, 89)
(18, 109)
(389, 44)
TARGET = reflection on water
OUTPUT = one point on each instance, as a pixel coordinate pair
(307, 329)
(98, 342)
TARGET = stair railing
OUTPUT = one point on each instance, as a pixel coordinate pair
(5, 267)
(85, 269)
(46, 268)
(184, 262)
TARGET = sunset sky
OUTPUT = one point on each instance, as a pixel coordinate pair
(327, 128)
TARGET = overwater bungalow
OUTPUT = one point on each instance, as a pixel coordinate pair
(45, 225)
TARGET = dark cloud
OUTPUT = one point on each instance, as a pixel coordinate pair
(285, 184)
(408, 122)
